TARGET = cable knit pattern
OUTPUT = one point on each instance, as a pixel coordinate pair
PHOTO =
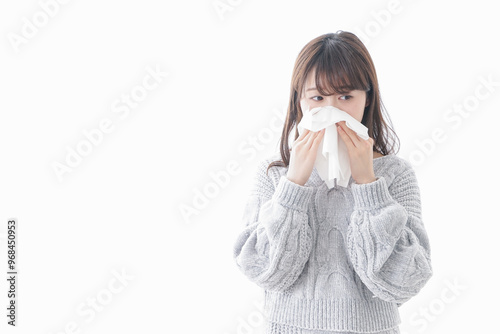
(277, 240)
(387, 242)
(334, 260)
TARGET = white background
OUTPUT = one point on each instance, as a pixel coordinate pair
(228, 79)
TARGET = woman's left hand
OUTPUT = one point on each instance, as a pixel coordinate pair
(360, 154)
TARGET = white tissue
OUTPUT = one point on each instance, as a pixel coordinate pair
(332, 158)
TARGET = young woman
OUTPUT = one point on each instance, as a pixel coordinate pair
(339, 260)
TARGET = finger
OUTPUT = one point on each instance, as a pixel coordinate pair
(318, 139)
(303, 134)
(345, 137)
(352, 134)
(311, 138)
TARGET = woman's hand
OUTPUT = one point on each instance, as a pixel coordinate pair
(360, 154)
(303, 156)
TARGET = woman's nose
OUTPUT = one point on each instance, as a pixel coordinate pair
(331, 101)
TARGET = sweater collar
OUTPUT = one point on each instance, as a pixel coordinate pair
(316, 181)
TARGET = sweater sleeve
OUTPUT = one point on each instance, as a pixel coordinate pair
(276, 239)
(386, 239)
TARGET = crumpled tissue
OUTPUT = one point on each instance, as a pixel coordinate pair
(332, 158)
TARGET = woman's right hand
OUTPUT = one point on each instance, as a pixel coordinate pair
(303, 156)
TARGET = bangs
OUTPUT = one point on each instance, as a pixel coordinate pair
(337, 74)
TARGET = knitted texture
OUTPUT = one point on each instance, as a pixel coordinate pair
(275, 328)
(340, 259)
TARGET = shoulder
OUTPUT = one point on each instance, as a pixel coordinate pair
(275, 171)
(266, 180)
(402, 183)
(393, 168)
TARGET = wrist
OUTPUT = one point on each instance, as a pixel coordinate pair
(295, 181)
(367, 180)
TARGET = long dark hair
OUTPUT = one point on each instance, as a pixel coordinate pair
(344, 64)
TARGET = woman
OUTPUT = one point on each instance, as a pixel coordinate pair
(339, 260)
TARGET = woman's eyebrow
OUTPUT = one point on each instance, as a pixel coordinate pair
(345, 89)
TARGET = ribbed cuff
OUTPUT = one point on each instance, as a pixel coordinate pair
(293, 195)
(371, 195)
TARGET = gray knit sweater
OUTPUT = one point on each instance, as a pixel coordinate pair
(340, 259)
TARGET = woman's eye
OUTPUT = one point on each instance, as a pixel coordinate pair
(347, 97)
(343, 97)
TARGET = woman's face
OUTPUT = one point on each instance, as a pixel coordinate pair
(353, 103)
